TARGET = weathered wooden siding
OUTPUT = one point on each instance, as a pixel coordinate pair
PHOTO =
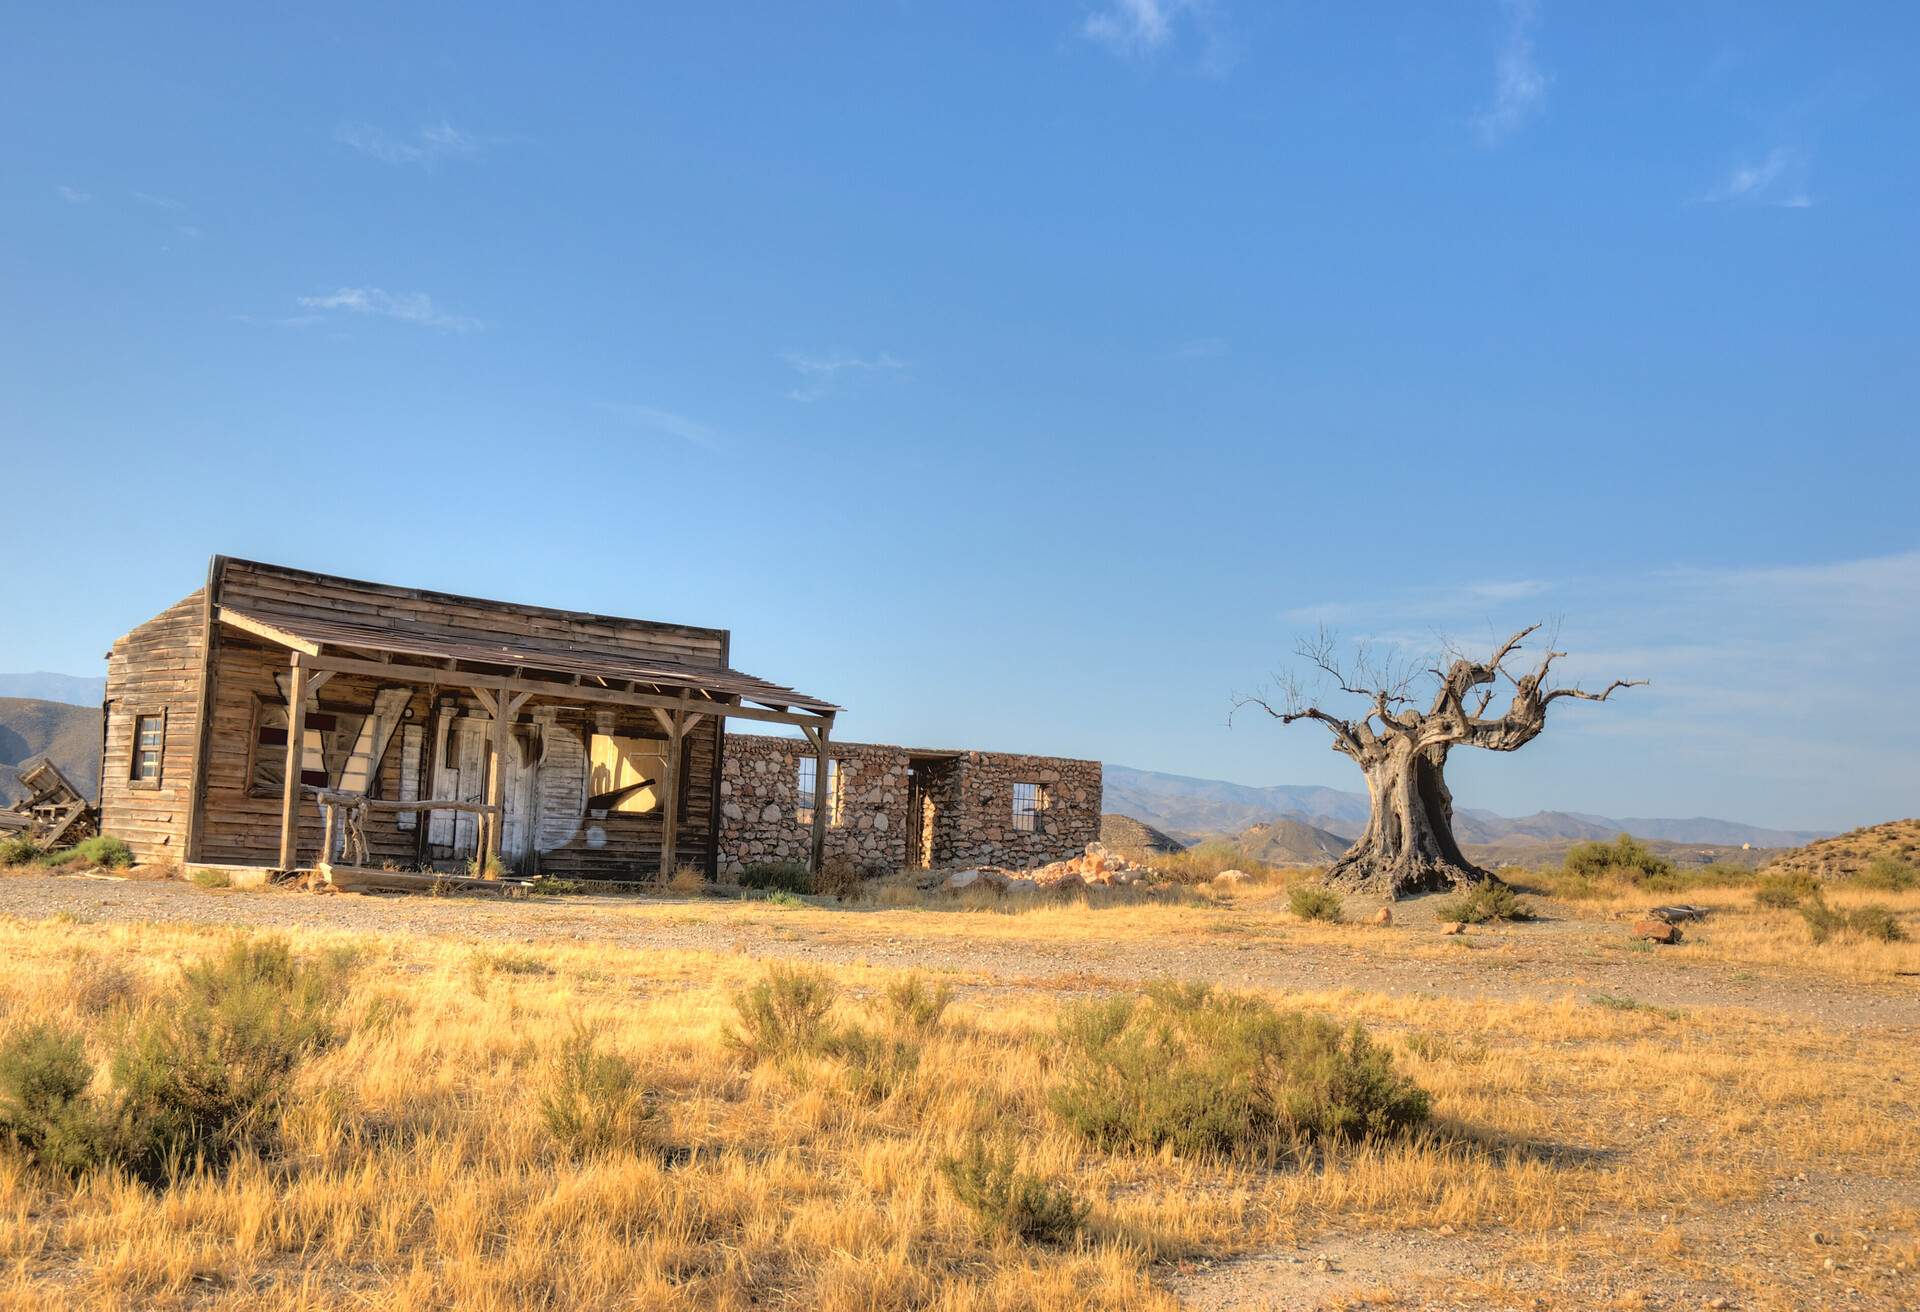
(154, 670)
(240, 829)
(245, 830)
(273, 589)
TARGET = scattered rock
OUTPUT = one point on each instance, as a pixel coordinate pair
(1656, 931)
(1384, 916)
(960, 879)
(1451, 927)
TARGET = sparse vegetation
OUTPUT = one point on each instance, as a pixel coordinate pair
(779, 876)
(594, 1101)
(1785, 891)
(1198, 1071)
(1314, 902)
(1624, 858)
(208, 877)
(1871, 921)
(1006, 1201)
(783, 1013)
(1886, 873)
(1203, 862)
(554, 886)
(19, 850)
(1481, 903)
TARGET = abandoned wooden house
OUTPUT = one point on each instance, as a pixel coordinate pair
(440, 729)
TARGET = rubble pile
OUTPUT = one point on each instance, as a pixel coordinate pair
(1098, 868)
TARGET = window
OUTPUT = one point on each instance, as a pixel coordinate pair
(1029, 801)
(804, 791)
(328, 742)
(149, 743)
(626, 775)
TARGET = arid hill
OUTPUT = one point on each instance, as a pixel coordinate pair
(1290, 842)
(70, 735)
(1850, 853)
(1125, 834)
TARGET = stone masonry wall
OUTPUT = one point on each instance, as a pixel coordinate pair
(759, 804)
(970, 806)
(975, 820)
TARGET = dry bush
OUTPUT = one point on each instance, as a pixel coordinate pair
(784, 1013)
(1203, 862)
(1198, 1071)
(1784, 892)
(1006, 1201)
(838, 879)
(1314, 902)
(687, 880)
(1482, 903)
(594, 1101)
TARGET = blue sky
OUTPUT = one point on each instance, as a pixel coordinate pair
(1022, 376)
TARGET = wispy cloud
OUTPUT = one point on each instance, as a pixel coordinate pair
(1132, 27)
(1778, 179)
(434, 141)
(666, 422)
(74, 196)
(821, 374)
(1519, 83)
(1200, 348)
(167, 203)
(407, 307)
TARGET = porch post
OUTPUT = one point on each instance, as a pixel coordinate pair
(675, 723)
(296, 757)
(496, 786)
(822, 796)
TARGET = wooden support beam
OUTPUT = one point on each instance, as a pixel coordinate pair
(488, 702)
(430, 677)
(496, 788)
(296, 757)
(822, 795)
(676, 723)
(316, 679)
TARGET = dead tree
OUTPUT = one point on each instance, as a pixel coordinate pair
(1408, 845)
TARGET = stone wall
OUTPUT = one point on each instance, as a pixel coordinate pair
(974, 824)
(967, 818)
(760, 813)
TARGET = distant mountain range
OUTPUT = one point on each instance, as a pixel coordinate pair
(1191, 809)
(72, 689)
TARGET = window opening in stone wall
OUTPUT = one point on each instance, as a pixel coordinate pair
(1029, 800)
(804, 790)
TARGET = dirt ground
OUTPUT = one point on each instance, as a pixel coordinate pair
(1811, 1240)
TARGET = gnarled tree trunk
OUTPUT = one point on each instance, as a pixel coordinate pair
(1408, 846)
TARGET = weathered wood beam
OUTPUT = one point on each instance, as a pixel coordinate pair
(427, 675)
(260, 629)
(676, 723)
(296, 754)
(822, 795)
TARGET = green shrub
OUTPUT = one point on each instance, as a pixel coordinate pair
(837, 879)
(1888, 874)
(594, 1101)
(1481, 903)
(913, 1008)
(875, 1063)
(101, 851)
(784, 876)
(205, 1075)
(206, 877)
(1783, 892)
(19, 850)
(1190, 1069)
(784, 1013)
(1314, 902)
(552, 886)
(1869, 922)
(44, 1107)
(1625, 857)
(1009, 1202)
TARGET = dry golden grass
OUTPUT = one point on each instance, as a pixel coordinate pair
(417, 1172)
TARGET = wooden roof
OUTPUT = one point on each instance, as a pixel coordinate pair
(308, 612)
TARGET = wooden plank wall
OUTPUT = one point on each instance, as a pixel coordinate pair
(155, 668)
(248, 586)
(243, 830)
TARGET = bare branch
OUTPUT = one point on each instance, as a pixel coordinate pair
(1611, 688)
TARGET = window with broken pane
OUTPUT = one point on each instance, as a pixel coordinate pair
(1029, 801)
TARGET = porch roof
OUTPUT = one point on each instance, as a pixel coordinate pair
(520, 654)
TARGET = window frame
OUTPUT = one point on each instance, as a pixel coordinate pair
(659, 786)
(1040, 803)
(134, 778)
(836, 776)
(262, 705)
